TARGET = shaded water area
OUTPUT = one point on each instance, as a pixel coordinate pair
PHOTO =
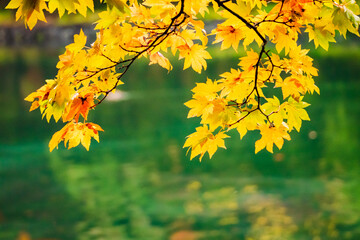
(138, 183)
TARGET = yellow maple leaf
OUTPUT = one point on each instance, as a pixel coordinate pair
(200, 105)
(75, 133)
(198, 6)
(273, 108)
(119, 4)
(208, 90)
(194, 56)
(345, 17)
(203, 140)
(283, 37)
(79, 42)
(249, 61)
(60, 94)
(160, 8)
(41, 95)
(158, 58)
(205, 102)
(295, 113)
(83, 5)
(240, 7)
(292, 87)
(30, 10)
(228, 36)
(271, 135)
(108, 18)
(321, 36)
(251, 122)
(62, 6)
(79, 105)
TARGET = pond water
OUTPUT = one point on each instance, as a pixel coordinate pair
(138, 183)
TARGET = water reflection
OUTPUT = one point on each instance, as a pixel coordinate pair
(139, 184)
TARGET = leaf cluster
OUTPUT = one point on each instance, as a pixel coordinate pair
(155, 29)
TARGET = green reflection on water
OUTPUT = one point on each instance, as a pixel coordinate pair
(139, 184)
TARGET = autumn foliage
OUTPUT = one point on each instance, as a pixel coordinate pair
(264, 33)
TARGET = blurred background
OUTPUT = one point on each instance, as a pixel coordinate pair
(138, 183)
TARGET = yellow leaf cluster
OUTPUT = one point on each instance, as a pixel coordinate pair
(30, 10)
(264, 35)
(203, 140)
(33, 10)
(75, 133)
(194, 56)
(271, 135)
